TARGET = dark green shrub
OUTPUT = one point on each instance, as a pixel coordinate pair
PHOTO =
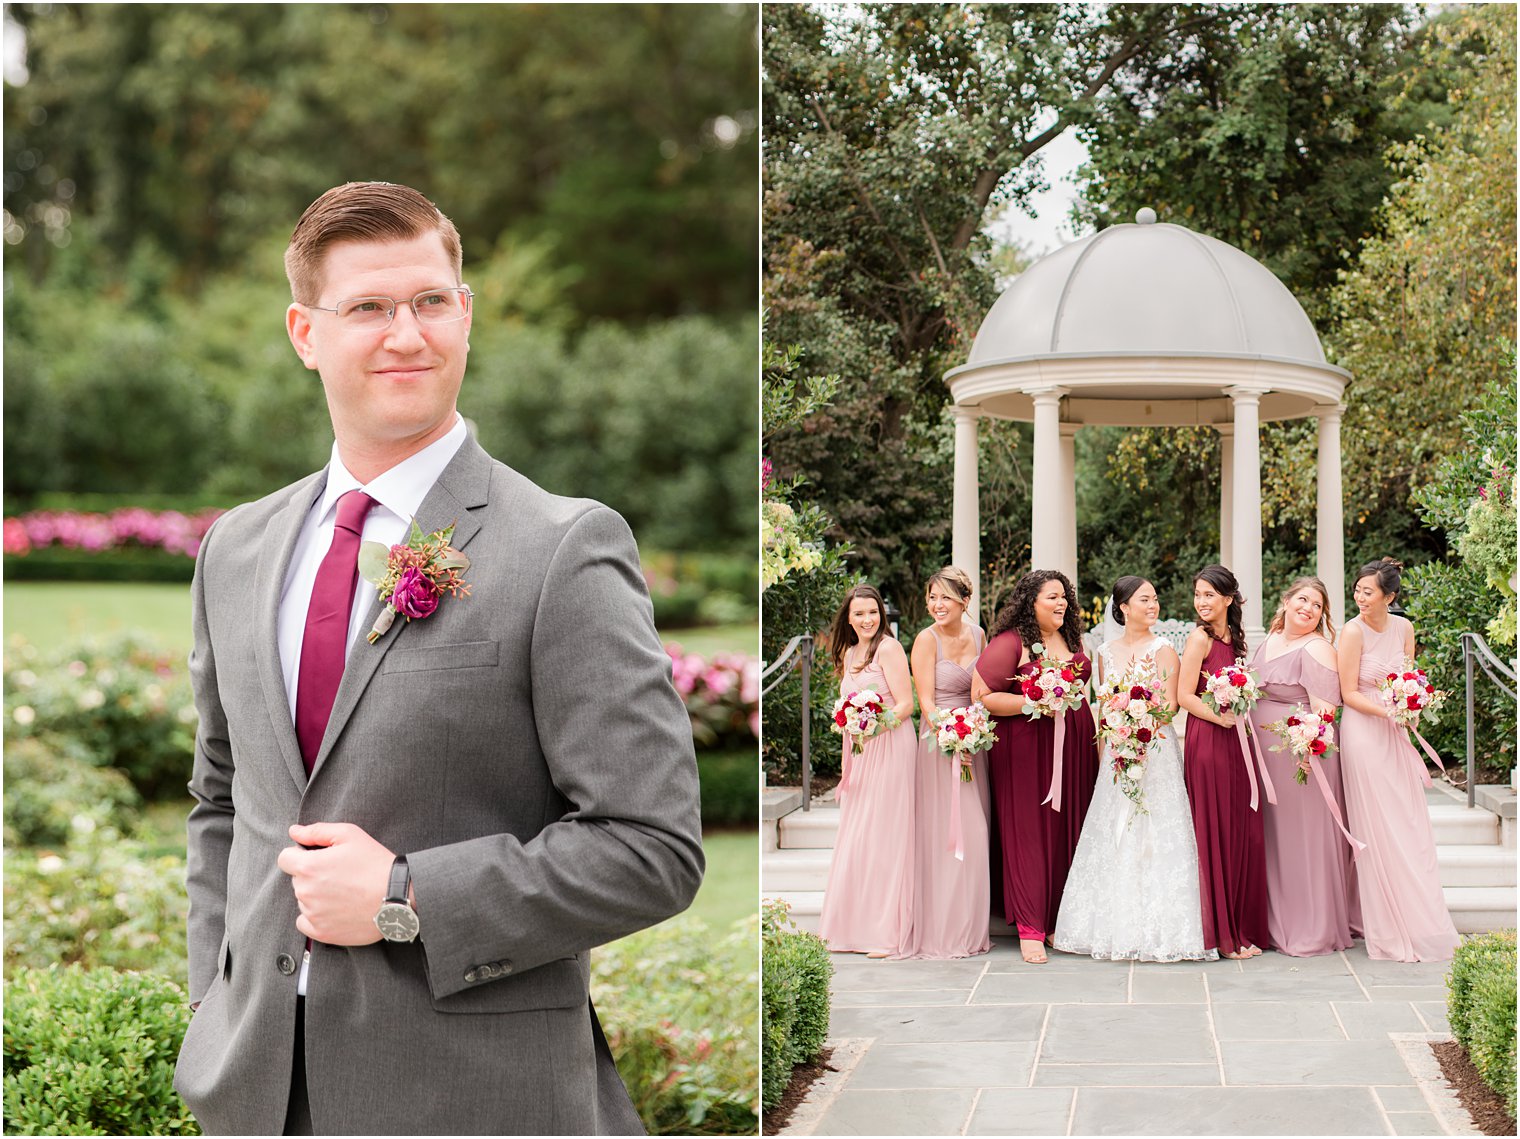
(679, 1012)
(107, 565)
(121, 702)
(730, 791)
(1480, 1005)
(796, 972)
(50, 795)
(92, 1052)
(101, 901)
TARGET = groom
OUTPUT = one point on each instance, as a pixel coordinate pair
(402, 851)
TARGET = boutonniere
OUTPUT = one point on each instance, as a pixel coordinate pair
(411, 578)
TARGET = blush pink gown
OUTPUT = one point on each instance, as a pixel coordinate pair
(1311, 884)
(868, 902)
(952, 906)
(1404, 913)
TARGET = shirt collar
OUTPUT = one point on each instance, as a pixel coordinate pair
(402, 488)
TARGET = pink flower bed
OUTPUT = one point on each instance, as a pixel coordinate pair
(722, 694)
(167, 530)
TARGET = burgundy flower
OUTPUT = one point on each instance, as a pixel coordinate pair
(1033, 691)
(414, 595)
(1139, 693)
(1318, 747)
(1238, 679)
(1143, 735)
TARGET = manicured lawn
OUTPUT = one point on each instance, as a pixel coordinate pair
(50, 613)
(731, 886)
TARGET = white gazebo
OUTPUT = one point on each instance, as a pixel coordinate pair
(1150, 325)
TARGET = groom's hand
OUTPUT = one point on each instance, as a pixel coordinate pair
(340, 879)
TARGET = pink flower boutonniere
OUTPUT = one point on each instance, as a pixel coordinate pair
(411, 578)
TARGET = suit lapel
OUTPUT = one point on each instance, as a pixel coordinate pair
(463, 486)
(273, 566)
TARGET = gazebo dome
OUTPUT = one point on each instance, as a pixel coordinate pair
(1147, 288)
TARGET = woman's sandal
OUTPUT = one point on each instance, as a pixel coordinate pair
(1032, 951)
(878, 955)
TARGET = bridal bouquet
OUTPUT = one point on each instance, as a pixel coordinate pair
(1410, 696)
(962, 732)
(1306, 735)
(1055, 688)
(1132, 710)
(1234, 688)
(860, 715)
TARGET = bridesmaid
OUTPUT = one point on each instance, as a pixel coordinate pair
(869, 897)
(1037, 840)
(1398, 882)
(952, 892)
(1310, 882)
(1232, 872)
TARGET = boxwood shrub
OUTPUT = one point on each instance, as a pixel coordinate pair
(796, 972)
(92, 1052)
(1480, 1005)
(51, 794)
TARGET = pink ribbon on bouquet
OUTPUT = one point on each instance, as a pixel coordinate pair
(1053, 796)
(957, 836)
(1334, 808)
(844, 773)
(1430, 751)
(1245, 754)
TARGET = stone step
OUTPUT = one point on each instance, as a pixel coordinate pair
(806, 906)
(810, 830)
(1477, 865)
(787, 870)
(1479, 909)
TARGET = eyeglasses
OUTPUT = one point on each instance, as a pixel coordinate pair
(371, 314)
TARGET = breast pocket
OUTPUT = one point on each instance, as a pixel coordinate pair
(465, 654)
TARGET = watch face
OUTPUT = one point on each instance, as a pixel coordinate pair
(397, 922)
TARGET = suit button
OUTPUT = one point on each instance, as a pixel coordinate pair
(472, 976)
(505, 966)
(489, 972)
(285, 963)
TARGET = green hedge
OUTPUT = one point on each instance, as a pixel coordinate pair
(55, 563)
(50, 795)
(1480, 1005)
(730, 787)
(92, 1052)
(794, 1017)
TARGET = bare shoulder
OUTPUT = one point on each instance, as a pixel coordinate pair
(891, 649)
(1321, 651)
(1198, 640)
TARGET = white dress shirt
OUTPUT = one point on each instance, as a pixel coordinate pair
(398, 493)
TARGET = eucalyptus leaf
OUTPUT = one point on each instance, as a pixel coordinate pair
(417, 538)
(452, 559)
(374, 561)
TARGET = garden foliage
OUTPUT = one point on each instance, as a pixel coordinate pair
(51, 794)
(92, 1052)
(796, 974)
(678, 1007)
(1480, 1005)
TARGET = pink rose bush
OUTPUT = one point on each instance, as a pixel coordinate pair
(166, 530)
(721, 694)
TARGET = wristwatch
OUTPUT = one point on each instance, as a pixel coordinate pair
(397, 921)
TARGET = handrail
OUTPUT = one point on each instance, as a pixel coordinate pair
(800, 647)
(1475, 647)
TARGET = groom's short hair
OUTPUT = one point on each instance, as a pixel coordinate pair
(360, 211)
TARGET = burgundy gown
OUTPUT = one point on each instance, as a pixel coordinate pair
(1037, 842)
(1311, 878)
(1232, 868)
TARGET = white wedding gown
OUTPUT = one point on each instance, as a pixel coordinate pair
(1132, 894)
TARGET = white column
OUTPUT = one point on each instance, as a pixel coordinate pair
(1045, 515)
(1226, 493)
(965, 518)
(1329, 524)
(1247, 528)
(1068, 560)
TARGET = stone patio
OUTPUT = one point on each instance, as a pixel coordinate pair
(1275, 1045)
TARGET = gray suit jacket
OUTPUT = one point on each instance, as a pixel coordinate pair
(522, 746)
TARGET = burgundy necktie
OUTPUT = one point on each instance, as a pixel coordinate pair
(325, 643)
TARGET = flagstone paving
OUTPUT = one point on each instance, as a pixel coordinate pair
(1274, 1045)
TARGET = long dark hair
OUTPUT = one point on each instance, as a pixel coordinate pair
(1388, 573)
(1018, 614)
(1124, 589)
(1225, 585)
(842, 635)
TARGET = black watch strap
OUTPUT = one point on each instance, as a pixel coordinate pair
(401, 878)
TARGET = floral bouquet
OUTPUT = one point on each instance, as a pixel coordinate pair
(1234, 688)
(1306, 735)
(1052, 690)
(1411, 697)
(1132, 710)
(860, 715)
(962, 732)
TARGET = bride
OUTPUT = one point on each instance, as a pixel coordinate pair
(1132, 894)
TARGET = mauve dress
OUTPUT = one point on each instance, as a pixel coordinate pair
(1037, 841)
(1404, 913)
(869, 897)
(952, 906)
(1311, 891)
(1232, 871)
